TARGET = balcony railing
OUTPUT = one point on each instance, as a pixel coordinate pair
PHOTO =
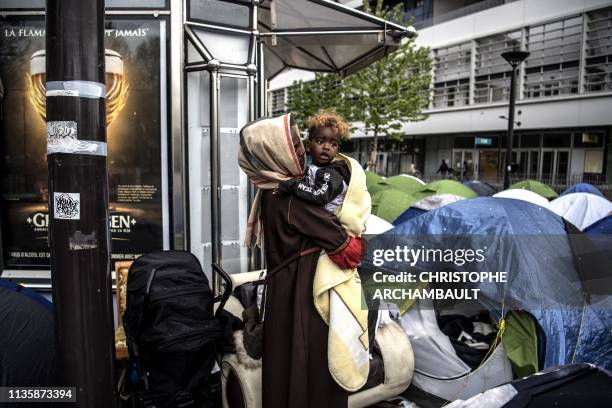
(460, 12)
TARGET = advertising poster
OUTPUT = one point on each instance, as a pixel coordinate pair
(132, 63)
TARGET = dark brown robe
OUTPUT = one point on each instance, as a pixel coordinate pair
(295, 371)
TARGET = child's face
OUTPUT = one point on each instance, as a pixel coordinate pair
(324, 145)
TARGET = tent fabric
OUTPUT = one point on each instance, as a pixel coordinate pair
(582, 188)
(427, 204)
(445, 187)
(27, 343)
(521, 343)
(409, 214)
(481, 188)
(404, 183)
(540, 275)
(372, 178)
(581, 209)
(389, 204)
(436, 201)
(376, 225)
(524, 195)
(438, 370)
(567, 386)
(537, 187)
(601, 227)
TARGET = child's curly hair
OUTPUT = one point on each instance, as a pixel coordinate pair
(329, 118)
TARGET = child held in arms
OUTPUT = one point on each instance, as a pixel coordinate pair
(326, 180)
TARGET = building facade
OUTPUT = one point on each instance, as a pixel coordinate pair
(564, 91)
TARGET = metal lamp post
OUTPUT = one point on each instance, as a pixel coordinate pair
(514, 58)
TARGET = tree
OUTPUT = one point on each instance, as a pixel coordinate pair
(393, 90)
(326, 91)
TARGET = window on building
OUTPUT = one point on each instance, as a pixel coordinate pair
(530, 140)
(557, 139)
(492, 80)
(278, 101)
(589, 138)
(452, 76)
(598, 65)
(552, 67)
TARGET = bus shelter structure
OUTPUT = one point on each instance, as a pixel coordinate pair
(231, 48)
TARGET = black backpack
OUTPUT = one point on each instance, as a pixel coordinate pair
(172, 334)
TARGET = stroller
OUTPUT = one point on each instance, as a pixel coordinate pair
(173, 333)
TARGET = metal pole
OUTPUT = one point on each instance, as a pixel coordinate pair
(510, 129)
(215, 172)
(178, 152)
(79, 236)
(252, 253)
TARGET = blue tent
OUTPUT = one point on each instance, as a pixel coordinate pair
(409, 214)
(603, 226)
(582, 188)
(545, 277)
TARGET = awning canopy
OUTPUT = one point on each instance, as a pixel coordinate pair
(324, 36)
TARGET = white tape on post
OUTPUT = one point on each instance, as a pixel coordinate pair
(62, 137)
(82, 89)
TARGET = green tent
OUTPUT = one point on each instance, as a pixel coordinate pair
(537, 187)
(520, 341)
(372, 180)
(403, 183)
(451, 187)
(389, 204)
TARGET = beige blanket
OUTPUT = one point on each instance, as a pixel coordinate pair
(338, 296)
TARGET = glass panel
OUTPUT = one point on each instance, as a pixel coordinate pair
(488, 161)
(198, 134)
(296, 14)
(547, 166)
(230, 143)
(598, 67)
(23, 4)
(593, 161)
(533, 163)
(233, 114)
(140, 4)
(530, 140)
(230, 222)
(523, 169)
(451, 75)
(468, 165)
(588, 139)
(562, 166)
(229, 48)
(204, 216)
(557, 139)
(221, 12)
(457, 155)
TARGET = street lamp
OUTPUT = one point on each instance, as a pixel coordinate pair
(514, 58)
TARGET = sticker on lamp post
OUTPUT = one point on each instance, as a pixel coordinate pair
(67, 206)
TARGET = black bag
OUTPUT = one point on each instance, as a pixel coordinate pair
(171, 330)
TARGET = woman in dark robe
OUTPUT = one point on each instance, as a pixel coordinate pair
(295, 372)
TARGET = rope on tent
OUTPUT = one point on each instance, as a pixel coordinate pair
(579, 329)
(501, 328)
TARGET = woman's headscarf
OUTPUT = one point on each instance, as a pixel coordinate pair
(268, 157)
